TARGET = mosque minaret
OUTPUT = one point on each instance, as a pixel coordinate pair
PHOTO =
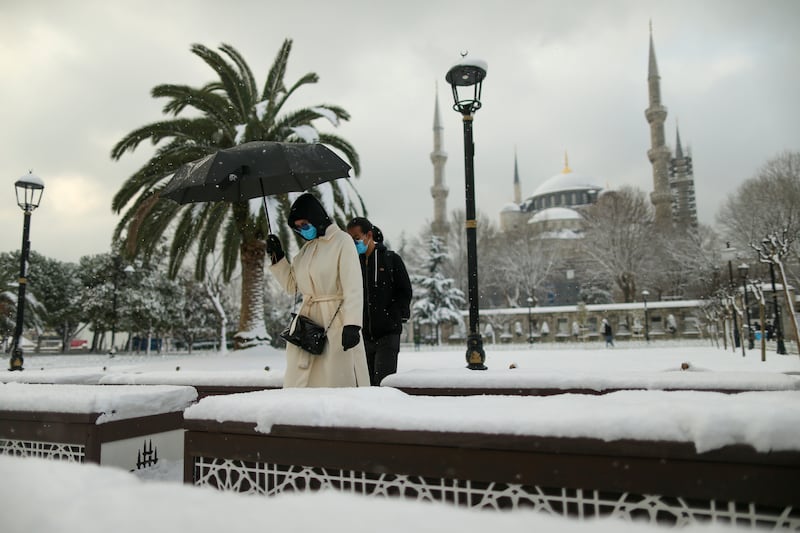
(439, 190)
(681, 183)
(659, 153)
(517, 186)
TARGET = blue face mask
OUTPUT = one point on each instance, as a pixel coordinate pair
(307, 231)
(361, 248)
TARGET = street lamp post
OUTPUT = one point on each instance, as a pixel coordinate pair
(781, 347)
(29, 193)
(645, 294)
(743, 269)
(467, 78)
(730, 253)
(530, 321)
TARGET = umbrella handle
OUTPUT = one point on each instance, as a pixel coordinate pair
(266, 211)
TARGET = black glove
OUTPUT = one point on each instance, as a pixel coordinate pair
(350, 336)
(274, 248)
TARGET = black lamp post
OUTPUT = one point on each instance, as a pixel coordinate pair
(645, 294)
(731, 252)
(530, 321)
(467, 77)
(781, 347)
(29, 193)
(743, 269)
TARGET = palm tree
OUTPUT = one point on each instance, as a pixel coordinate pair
(231, 111)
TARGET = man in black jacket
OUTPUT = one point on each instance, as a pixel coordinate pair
(387, 298)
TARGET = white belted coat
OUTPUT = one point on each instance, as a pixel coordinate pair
(326, 271)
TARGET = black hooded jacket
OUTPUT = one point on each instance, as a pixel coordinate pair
(306, 206)
(387, 292)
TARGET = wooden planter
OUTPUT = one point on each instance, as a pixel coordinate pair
(655, 481)
(125, 436)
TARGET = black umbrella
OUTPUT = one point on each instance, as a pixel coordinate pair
(259, 168)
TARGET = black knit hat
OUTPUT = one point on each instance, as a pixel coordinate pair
(308, 207)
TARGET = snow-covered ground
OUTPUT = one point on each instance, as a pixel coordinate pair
(256, 364)
(37, 495)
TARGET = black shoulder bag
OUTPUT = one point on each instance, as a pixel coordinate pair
(307, 334)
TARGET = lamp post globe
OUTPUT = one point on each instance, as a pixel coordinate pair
(645, 294)
(29, 189)
(466, 80)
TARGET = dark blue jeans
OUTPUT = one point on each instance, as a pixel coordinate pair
(382, 357)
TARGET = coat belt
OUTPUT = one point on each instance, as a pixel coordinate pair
(323, 298)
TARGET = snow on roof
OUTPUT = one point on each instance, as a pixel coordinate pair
(593, 308)
(561, 234)
(568, 181)
(555, 213)
(510, 207)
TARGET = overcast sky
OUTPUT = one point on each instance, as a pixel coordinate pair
(77, 75)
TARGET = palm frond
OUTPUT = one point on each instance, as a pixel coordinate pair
(339, 143)
(274, 85)
(273, 111)
(204, 100)
(235, 88)
(157, 131)
(245, 74)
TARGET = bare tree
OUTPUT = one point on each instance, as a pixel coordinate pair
(687, 263)
(768, 203)
(771, 250)
(619, 237)
(521, 267)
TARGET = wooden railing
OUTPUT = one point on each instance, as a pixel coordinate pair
(656, 481)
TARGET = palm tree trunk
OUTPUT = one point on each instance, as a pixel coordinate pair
(252, 330)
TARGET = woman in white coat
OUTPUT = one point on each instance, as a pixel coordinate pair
(327, 273)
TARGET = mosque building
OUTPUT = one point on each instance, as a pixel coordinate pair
(554, 211)
(554, 208)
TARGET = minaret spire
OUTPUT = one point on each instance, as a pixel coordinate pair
(678, 147)
(659, 153)
(439, 190)
(652, 67)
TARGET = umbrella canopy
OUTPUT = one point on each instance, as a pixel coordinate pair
(259, 168)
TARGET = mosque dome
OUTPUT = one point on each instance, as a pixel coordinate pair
(566, 181)
(566, 189)
(555, 213)
(510, 207)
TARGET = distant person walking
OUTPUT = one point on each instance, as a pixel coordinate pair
(608, 333)
(387, 298)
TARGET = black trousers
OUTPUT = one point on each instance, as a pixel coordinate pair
(382, 357)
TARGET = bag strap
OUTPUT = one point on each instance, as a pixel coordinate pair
(330, 323)
(334, 316)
